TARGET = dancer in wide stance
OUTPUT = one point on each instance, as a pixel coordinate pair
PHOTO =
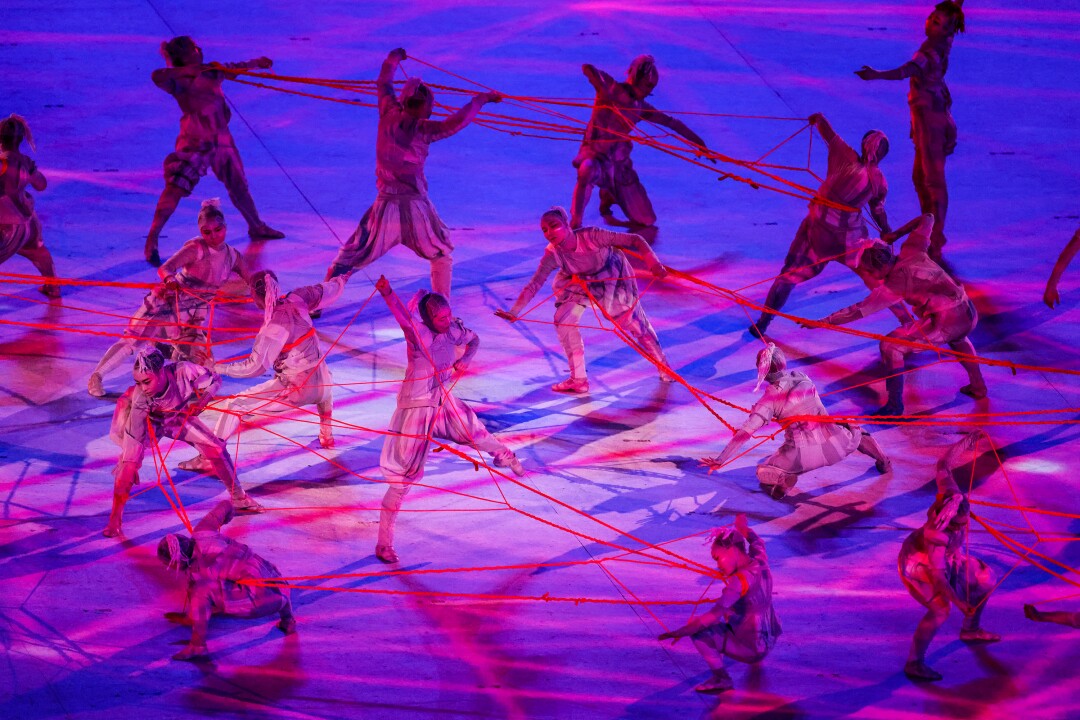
(808, 444)
(945, 314)
(219, 573)
(592, 269)
(742, 625)
(1050, 296)
(165, 402)
(426, 405)
(604, 158)
(829, 234)
(204, 142)
(933, 129)
(20, 228)
(287, 343)
(402, 212)
(176, 310)
(937, 570)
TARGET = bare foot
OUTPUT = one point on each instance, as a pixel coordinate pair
(921, 672)
(180, 618)
(978, 635)
(111, 530)
(191, 652)
(287, 626)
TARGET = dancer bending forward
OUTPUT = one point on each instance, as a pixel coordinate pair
(426, 407)
(808, 444)
(937, 570)
(742, 625)
(176, 310)
(944, 313)
(168, 400)
(215, 568)
(286, 342)
(592, 269)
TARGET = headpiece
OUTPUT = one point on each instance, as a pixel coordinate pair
(556, 211)
(767, 358)
(149, 360)
(643, 71)
(875, 146)
(14, 126)
(264, 284)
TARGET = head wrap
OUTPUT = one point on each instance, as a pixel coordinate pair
(149, 359)
(211, 207)
(414, 87)
(265, 283)
(181, 50)
(175, 549)
(861, 246)
(14, 124)
(643, 71)
(556, 211)
(770, 355)
(875, 145)
(729, 536)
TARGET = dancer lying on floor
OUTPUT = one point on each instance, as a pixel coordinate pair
(592, 269)
(808, 444)
(165, 403)
(402, 212)
(287, 343)
(937, 570)
(742, 625)
(205, 142)
(426, 405)
(176, 310)
(20, 227)
(945, 315)
(215, 567)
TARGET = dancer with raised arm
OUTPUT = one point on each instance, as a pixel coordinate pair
(165, 402)
(944, 313)
(933, 129)
(20, 227)
(604, 158)
(205, 142)
(426, 405)
(219, 572)
(592, 270)
(742, 625)
(176, 310)
(402, 212)
(808, 444)
(937, 569)
(287, 343)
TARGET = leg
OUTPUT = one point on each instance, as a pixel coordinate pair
(869, 446)
(567, 317)
(166, 206)
(929, 133)
(126, 475)
(893, 357)
(260, 400)
(631, 196)
(799, 266)
(1069, 619)
(642, 332)
(442, 270)
(116, 354)
(775, 481)
(710, 645)
(459, 423)
(588, 174)
(211, 447)
(36, 252)
(359, 251)
(326, 423)
(402, 461)
(937, 610)
(225, 161)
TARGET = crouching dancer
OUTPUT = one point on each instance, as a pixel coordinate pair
(938, 571)
(742, 625)
(168, 400)
(217, 568)
(288, 343)
(426, 407)
(808, 444)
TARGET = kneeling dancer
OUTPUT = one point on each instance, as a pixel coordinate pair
(426, 408)
(216, 568)
(742, 625)
(288, 343)
(592, 269)
(169, 399)
(945, 314)
(808, 444)
(937, 570)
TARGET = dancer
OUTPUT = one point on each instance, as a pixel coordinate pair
(933, 129)
(937, 570)
(604, 158)
(426, 407)
(288, 343)
(205, 142)
(218, 571)
(742, 625)
(402, 212)
(20, 228)
(1050, 296)
(808, 445)
(1068, 619)
(176, 310)
(944, 313)
(827, 234)
(168, 399)
(592, 269)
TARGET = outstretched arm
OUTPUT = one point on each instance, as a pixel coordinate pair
(639, 245)
(384, 84)
(600, 80)
(441, 129)
(547, 266)
(908, 69)
(220, 515)
(397, 309)
(1050, 296)
(662, 118)
(879, 298)
(267, 346)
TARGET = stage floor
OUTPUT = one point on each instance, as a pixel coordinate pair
(561, 580)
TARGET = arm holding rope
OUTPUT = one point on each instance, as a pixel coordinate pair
(547, 266)
(600, 80)
(384, 84)
(400, 312)
(879, 298)
(434, 130)
(267, 346)
(1050, 296)
(905, 71)
(659, 117)
(760, 414)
